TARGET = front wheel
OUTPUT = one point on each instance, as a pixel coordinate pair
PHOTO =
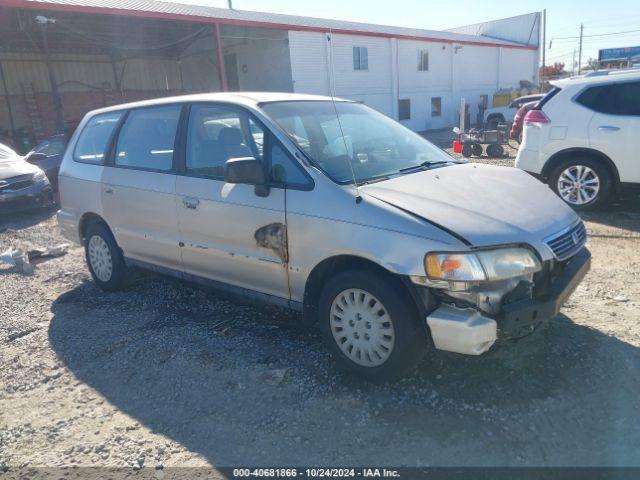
(583, 183)
(371, 326)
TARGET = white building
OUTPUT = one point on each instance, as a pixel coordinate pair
(414, 75)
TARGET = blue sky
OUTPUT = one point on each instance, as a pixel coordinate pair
(563, 17)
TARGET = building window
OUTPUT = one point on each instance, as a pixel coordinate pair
(436, 106)
(423, 60)
(404, 109)
(360, 58)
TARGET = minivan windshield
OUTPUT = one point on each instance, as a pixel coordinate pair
(348, 140)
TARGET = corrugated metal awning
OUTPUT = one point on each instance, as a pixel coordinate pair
(205, 14)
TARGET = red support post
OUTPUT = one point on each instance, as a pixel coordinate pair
(221, 70)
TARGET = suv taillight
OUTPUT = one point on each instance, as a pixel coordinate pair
(536, 116)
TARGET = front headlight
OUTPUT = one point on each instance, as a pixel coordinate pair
(39, 176)
(483, 265)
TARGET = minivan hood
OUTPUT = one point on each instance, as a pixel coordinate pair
(483, 204)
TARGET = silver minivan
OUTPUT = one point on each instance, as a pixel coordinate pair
(328, 207)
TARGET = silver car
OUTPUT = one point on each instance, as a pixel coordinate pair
(324, 206)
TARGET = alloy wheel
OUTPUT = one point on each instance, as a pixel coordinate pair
(578, 185)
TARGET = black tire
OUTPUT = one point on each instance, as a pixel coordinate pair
(467, 150)
(116, 279)
(600, 170)
(494, 150)
(410, 338)
(476, 148)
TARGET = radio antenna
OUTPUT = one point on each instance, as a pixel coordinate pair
(332, 90)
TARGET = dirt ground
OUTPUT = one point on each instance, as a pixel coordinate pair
(170, 374)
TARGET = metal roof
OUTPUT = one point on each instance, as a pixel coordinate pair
(206, 14)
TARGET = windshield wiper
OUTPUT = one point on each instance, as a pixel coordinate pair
(425, 164)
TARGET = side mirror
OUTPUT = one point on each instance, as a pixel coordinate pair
(36, 157)
(248, 171)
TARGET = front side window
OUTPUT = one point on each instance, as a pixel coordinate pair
(628, 98)
(436, 106)
(147, 138)
(217, 134)
(423, 60)
(94, 139)
(358, 141)
(284, 170)
(612, 99)
(360, 58)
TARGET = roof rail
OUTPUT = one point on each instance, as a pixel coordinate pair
(616, 71)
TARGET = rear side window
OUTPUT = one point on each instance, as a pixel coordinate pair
(613, 99)
(147, 138)
(94, 139)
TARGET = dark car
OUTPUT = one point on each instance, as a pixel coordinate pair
(47, 155)
(22, 186)
(516, 126)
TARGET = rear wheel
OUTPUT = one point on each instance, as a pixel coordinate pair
(467, 150)
(104, 257)
(582, 182)
(370, 326)
(494, 150)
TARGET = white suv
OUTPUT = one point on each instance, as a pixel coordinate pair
(582, 137)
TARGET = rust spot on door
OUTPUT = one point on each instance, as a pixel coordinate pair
(274, 237)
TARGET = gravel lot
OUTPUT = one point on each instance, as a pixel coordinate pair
(168, 373)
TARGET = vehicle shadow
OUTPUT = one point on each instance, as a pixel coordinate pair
(18, 221)
(206, 371)
(622, 213)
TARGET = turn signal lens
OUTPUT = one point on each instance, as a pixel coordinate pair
(456, 267)
(496, 264)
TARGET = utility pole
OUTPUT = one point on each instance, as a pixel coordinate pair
(55, 93)
(573, 63)
(544, 46)
(580, 54)
(230, 4)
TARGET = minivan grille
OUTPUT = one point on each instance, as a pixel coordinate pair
(568, 242)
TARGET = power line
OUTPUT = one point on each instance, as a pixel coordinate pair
(596, 35)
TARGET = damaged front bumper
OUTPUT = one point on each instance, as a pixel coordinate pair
(469, 331)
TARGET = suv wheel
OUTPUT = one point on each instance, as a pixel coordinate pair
(583, 183)
(493, 121)
(370, 327)
(104, 257)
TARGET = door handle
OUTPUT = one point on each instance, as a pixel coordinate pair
(108, 190)
(190, 202)
(608, 128)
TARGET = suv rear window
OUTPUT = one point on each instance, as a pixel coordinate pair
(95, 137)
(612, 99)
